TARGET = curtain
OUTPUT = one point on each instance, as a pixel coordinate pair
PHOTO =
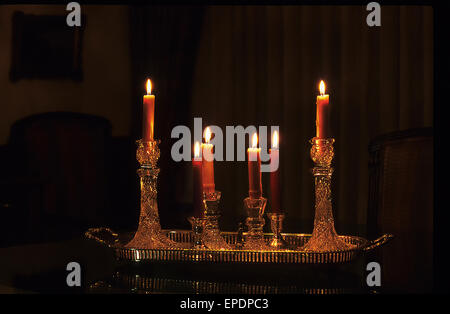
(164, 41)
(261, 65)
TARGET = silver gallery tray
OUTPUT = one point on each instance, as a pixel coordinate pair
(293, 255)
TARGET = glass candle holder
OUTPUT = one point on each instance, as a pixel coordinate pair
(324, 236)
(276, 225)
(149, 234)
(211, 235)
(255, 223)
(198, 225)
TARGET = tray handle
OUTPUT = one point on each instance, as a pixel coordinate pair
(385, 238)
(102, 235)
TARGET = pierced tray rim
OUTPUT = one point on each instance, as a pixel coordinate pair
(295, 256)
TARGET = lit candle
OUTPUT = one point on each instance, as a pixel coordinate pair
(208, 164)
(254, 169)
(323, 113)
(275, 199)
(197, 175)
(148, 114)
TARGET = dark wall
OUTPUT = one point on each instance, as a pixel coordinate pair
(106, 65)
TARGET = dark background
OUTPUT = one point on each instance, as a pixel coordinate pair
(230, 65)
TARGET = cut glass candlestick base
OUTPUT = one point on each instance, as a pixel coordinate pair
(149, 234)
(255, 223)
(324, 236)
(198, 226)
(212, 238)
(276, 225)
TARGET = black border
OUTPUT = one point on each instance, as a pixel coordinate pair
(441, 82)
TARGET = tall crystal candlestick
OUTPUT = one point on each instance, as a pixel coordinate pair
(324, 236)
(149, 234)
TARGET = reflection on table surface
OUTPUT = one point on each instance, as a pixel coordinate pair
(120, 283)
(41, 268)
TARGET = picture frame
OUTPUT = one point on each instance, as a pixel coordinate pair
(45, 47)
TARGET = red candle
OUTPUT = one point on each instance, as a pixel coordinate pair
(275, 195)
(148, 114)
(198, 189)
(208, 164)
(323, 113)
(254, 169)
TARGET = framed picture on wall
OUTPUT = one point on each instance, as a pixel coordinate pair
(45, 47)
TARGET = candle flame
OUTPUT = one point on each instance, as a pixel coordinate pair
(197, 150)
(207, 135)
(322, 88)
(254, 140)
(149, 87)
(275, 139)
